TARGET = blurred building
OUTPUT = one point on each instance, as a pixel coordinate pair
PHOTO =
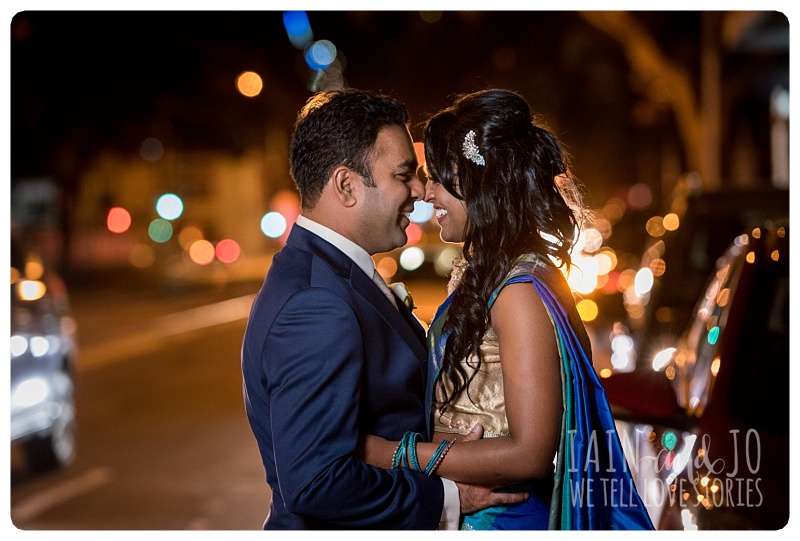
(200, 105)
(223, 198)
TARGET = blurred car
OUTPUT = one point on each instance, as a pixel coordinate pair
(681, 249)
(43, 354)
(706, 432)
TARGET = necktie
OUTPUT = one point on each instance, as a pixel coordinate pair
(376, 277)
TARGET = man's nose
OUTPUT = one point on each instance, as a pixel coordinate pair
(417, 189)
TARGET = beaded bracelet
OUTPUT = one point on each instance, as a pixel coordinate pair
(396, 458)
(438, 456)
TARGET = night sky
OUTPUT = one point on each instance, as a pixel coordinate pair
(86, 81)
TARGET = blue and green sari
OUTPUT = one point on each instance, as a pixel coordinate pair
(591, 487)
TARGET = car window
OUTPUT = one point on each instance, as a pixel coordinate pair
(697, 359)
(688, 254)
(759, 394)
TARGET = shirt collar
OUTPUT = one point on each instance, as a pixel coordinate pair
(352, 250)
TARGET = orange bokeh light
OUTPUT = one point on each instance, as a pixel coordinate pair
(201, 252)
(118, 220)
(249, 84)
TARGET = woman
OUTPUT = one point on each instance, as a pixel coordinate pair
(508, 350)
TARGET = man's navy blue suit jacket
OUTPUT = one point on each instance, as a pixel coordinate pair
(326, 357)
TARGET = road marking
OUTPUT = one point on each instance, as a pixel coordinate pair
(41, 502)
(149, 337)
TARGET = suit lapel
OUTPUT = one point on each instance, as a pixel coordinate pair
(401, 320)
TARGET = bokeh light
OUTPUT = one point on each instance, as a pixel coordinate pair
(587, 309)
(169, 206)
(34, 267)
(422, 212)
(386, 267)
(626, 279)
(430, 16)
(249, 84)
(582, 276)
(443, 264)
(228, 250)
(662, 358)
(142, 256)
(640, 196)
(160, 230)
(603, 226)
(18, 344)
(671, 222)
(287, 203)
(201, 252)
(31, 290)
(643, 282)
(118, 220)
(273, 224)
(658, 267)
(331, 78)
(151, 150)
(655, 226)
(623, 354)
(298, 28)
(188, 235)
(30, 392)
(412, 258)
(414, 234)
(614, 209)
(713, 335)
(589, 240)
(606, 260)
(320, 55)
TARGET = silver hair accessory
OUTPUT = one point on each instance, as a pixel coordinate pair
(471, 150)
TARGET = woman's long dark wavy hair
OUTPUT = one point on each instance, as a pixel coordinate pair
(522, 200)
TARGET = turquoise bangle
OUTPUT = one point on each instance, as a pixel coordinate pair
(400, 459)
(441, 451)
(396, 457)
(412, 451)
(435, 457)
(403, 461)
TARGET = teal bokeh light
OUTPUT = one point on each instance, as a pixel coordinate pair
(668, 440)
(713, 335)
(160, 230)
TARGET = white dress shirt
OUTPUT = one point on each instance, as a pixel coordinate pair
(452, 504)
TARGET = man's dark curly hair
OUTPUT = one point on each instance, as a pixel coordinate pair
(523, 199)
(338, 127)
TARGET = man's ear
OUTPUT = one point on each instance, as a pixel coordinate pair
(346, 185)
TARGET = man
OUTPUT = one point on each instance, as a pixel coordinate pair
(328, 354)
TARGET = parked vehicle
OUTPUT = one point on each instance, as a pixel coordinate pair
(43, 354)
(706, 430)
(681, 250)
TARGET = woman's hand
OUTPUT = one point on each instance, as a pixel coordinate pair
(376, 451)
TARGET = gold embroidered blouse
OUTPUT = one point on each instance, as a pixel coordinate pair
(487, 404)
